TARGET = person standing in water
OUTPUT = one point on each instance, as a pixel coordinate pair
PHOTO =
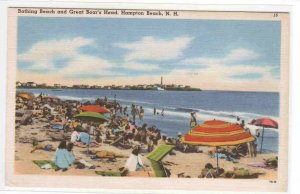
(154, 111)
(193, 121)
(163, 112)
(133, 112)
(141, 114)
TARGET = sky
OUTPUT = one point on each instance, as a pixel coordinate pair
(237, 55)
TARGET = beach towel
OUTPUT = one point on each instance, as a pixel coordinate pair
(45, 164)
(85, 138)
(220, 155)
(86, 164)
(108, 173)
(258, 165)
(57, 126)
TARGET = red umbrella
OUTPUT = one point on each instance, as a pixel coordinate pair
(94, 108)
(265, 122)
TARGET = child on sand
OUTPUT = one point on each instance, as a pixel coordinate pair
(61, 157)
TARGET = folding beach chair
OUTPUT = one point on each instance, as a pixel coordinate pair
(211, 173)
(156, 156)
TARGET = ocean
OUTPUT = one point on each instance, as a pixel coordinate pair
(177, 105)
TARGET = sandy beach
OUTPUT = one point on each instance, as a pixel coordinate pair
(179, 164)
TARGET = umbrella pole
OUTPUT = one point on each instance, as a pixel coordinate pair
(88, 146)
(262, 139)
(217, 158)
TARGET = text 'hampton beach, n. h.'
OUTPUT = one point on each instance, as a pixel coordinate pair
(36, 11)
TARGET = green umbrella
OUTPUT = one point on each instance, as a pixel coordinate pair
(91, 116)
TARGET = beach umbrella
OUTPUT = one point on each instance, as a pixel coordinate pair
(217, 133)
(91, 116)
(25, 95)
(265, 123)
(94, 108)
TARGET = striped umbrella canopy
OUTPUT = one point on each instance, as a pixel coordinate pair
(217, 133)
(94, 108)
(91, 116)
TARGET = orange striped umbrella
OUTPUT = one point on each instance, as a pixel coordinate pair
(217, 133)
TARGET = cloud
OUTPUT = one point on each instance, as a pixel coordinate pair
(231, 65)
(45, 54)
(87, 65)
(150, 48)
(140, 66)
(235, 55)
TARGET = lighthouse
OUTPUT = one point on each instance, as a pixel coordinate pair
(161, 81)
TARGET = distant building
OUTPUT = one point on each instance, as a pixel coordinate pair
(31, 84)
(18, 84)
(57, 85)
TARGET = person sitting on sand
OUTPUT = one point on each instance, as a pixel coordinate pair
(61, 157)
(71, 155)
(210, 172)
(39, 146)
(134, 162)
(163, 140)
(75, 138)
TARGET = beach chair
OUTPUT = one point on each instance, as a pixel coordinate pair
(156, 156)
(210, 173)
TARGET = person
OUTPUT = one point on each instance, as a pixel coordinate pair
(133, 112)
(61, 157)
(141, 115)
(150, 143)
(125, 110)
(163, 112)
(163, 140)
(134, 162)
(71, 156)
(75, 138)
(154, 111)
(254, 147)
(179, 145)
(38, 146)
(193, 121)
(242, 124)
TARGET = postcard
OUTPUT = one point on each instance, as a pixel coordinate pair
(141, 99)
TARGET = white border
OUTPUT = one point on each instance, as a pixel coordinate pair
(253, 5)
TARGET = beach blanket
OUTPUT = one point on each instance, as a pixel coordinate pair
(57, 126)
(108, 173)
(45, 164)
(159, 152)
(258, 165)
